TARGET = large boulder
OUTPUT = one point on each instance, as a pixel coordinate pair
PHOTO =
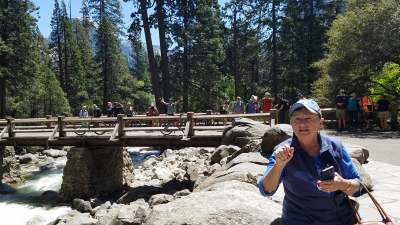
(54, 153)
(222, 152)
(364, 176)
(223, 176)
(163, 174)
(254, 169)
(251, 157)
(160, 199)
(48, 166)
(274, 136)
(6, 189)
(217, 207)
(356, 151)
(232, 185)
(28, 158)
(242, 131)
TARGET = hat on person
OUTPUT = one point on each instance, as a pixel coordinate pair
(353, 94)
(238, 97)
(94, 105)
(170, 99)
(128, 103)
(341, 90)
(280, 94)
(299, 94)
(152, 104)
(267, 93)
(310, 105)
(254, 98)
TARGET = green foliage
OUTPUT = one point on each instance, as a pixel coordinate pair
(363, 42)
(389, 80)
(31, 149)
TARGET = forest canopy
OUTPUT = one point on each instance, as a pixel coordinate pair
(208, 53)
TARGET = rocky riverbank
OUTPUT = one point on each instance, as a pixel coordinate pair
(201, 185)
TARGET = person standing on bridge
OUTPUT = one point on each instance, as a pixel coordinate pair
(266, 104)
(96, 111)
(109, 113)
(282, 106)
(129, 112)
(238, 106)
(153, 111)
(341, 102)
(117, 109)
(170, 106)
(354, 105)
(83, 113)
(225, 110)
(300, 96)
(383, 110)
(368, 107)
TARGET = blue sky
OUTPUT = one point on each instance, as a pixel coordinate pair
(46, 11)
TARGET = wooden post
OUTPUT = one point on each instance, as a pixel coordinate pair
(190, 118)
(287, 116)
(394, 120)
(272, 117)
(121, 127)
(209, 122)
(11, 126)
(49, 124)
(208, 112)
(61, 127)
(276, 116)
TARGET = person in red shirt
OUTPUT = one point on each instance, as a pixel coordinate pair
(266, 104)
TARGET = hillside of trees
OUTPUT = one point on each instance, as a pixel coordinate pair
(208, 53)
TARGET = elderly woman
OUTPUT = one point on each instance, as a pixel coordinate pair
(297, 163)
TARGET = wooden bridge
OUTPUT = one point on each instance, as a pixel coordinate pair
(198, 130)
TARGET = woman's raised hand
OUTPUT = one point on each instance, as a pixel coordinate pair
(283, 155)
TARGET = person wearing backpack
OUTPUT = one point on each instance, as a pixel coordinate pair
(238, 106)
(97, 111)
(282, 106)
(224, 109)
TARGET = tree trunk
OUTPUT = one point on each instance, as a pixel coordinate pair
(185, 65)
(60, 59)
(274, 51)
(3, 63)
(150, 54)
(66, 62)
(235, 54)
(310, 58)
(105, 77)
(164, 49)
(2, 97)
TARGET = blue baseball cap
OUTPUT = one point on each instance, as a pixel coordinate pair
(310, 105)
(299, 94)
(280, 94)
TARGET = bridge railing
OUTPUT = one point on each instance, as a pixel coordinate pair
(62, 125)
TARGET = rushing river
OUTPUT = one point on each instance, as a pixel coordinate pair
(27, 206)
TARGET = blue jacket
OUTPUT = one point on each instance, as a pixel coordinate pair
(342, 99)
(304, 202)
(252, 106)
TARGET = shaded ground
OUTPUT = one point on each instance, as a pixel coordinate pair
(382, 146)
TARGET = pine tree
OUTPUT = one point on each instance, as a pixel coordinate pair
(56, 38)
(16, 48)
(112, 9)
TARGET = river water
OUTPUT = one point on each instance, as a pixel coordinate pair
(27, 206)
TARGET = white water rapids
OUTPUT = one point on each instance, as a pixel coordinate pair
(27, 206)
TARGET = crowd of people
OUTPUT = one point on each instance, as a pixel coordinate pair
(345, 105)
(353, 105)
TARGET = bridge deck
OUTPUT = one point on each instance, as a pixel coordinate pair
(137, 138)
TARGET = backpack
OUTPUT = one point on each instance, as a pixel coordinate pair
(286, 105)
(221, 110)
(98, 112)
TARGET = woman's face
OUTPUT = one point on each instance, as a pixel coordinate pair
(305, 124)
